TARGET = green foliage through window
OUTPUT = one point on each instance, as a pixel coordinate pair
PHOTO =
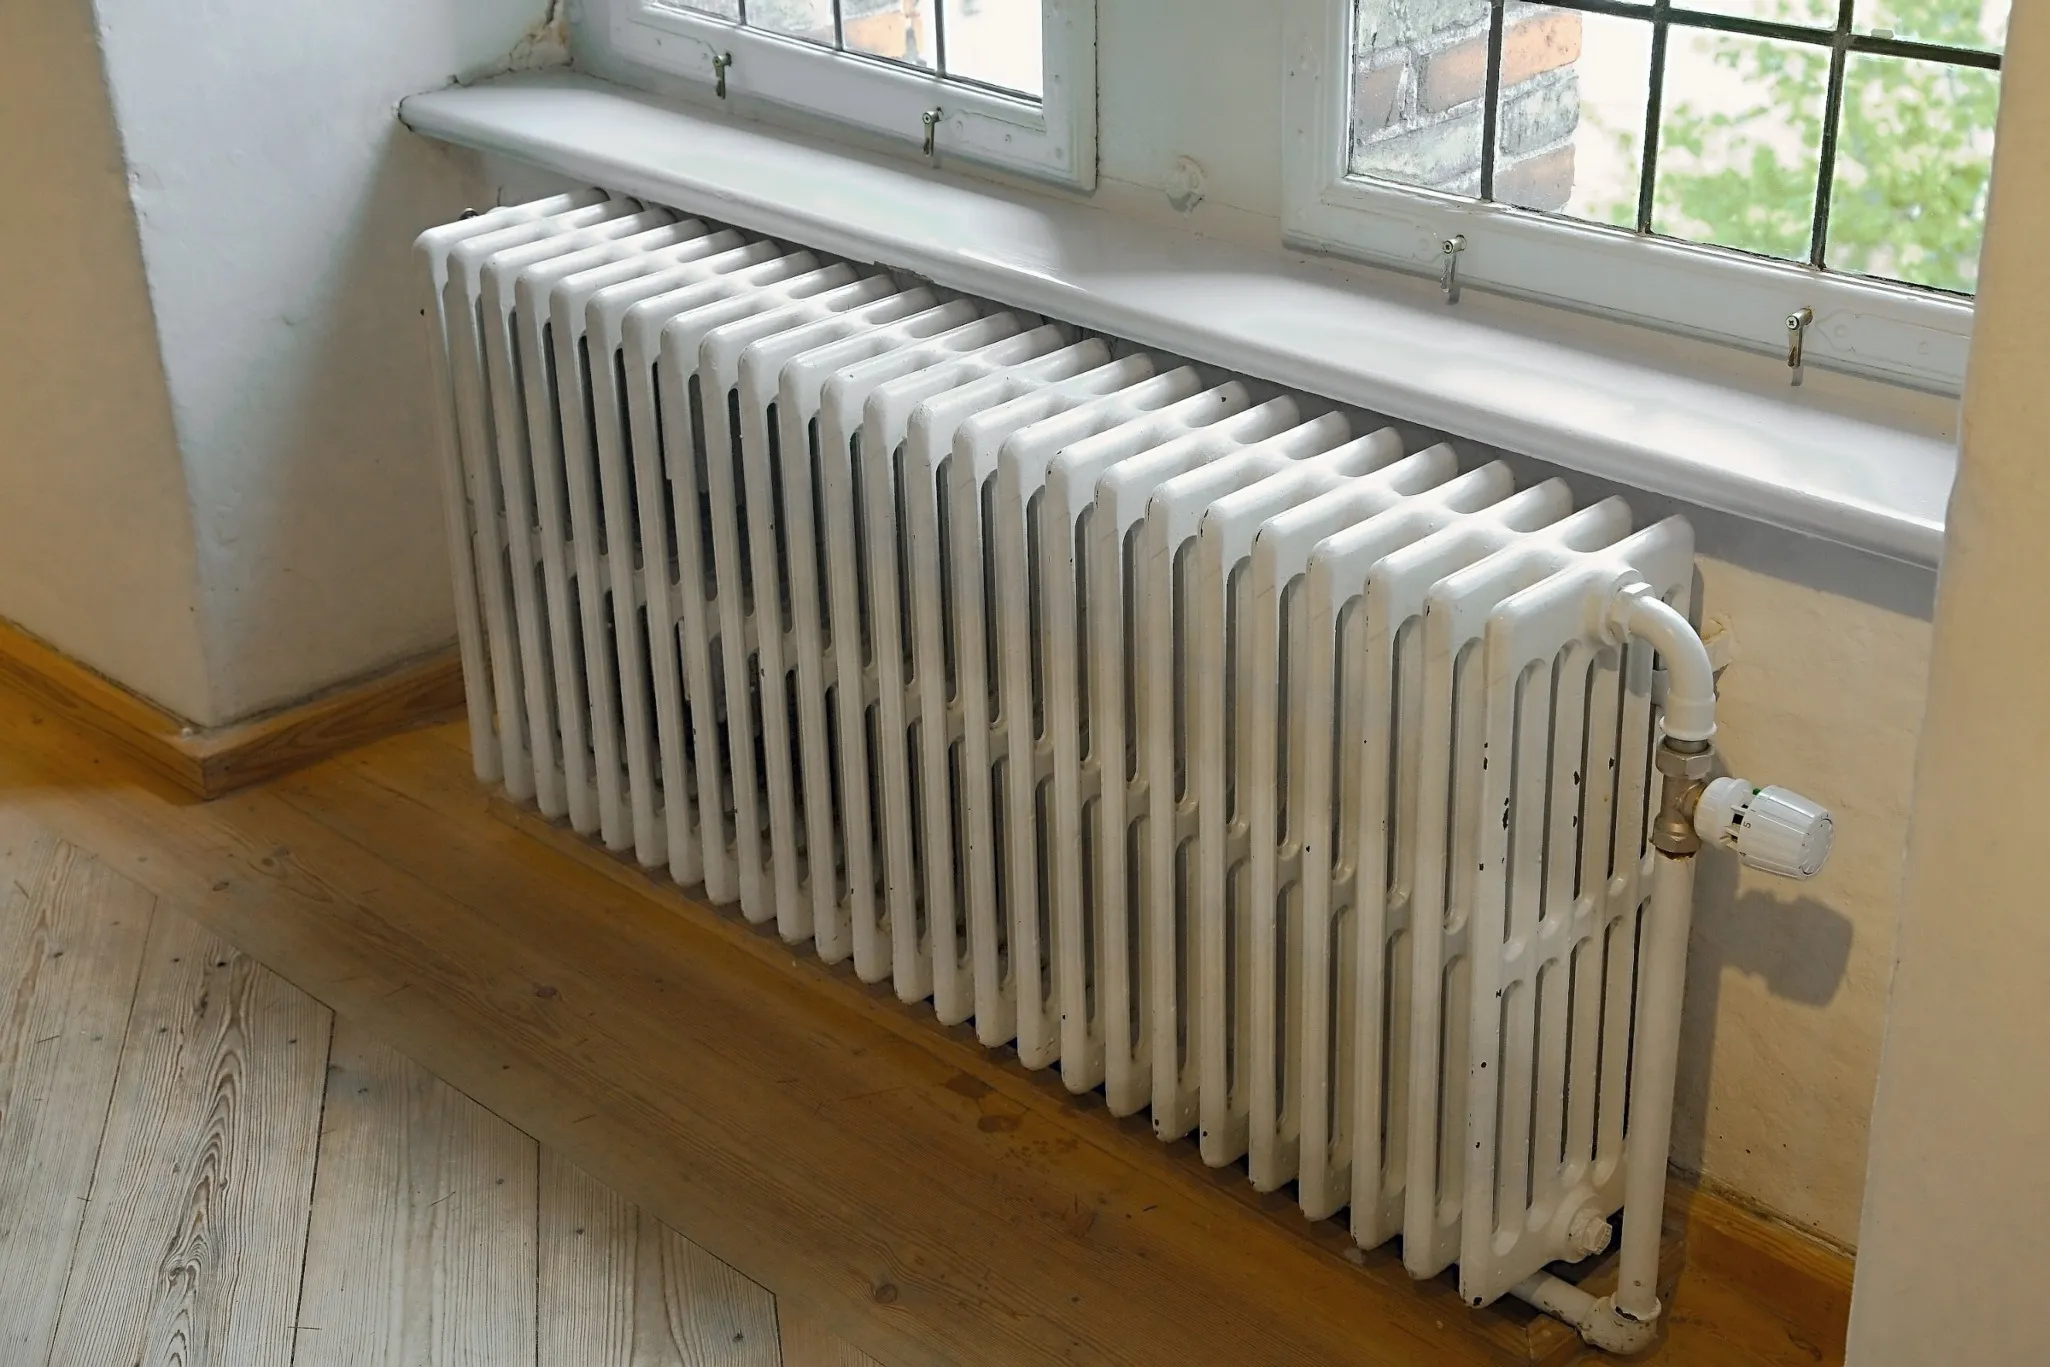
(1913, 154)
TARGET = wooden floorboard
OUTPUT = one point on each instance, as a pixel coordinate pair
(191, 1243)
(896, 1185)
(621, 1289)
(807, 1342)
(422, 1247)
(71, 941)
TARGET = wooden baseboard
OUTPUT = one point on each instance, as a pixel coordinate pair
(1798, 1277)
(209, 761)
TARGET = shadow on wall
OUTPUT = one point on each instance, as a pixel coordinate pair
(1800, 947)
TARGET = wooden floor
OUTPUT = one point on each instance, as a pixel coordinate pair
(227, 1155)
(200, 1164)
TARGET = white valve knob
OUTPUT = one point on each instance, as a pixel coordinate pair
(1770, 829)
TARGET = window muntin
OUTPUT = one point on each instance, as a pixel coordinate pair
(1004, 83)
(1852, 135)
(995, 43)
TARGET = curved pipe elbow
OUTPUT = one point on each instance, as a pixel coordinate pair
(1690, 677)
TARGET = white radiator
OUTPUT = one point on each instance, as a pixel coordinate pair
(1292, 786)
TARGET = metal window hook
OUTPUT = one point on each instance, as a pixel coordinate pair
(1797, 335)
(931, 119)
(720, 62)
(1448, 276)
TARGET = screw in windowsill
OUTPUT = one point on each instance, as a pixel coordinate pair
(1797, 335)
(1448, 278)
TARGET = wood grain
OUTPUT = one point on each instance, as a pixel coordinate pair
(936, 1203)
(190, 1248)
(1799, 1286)
(71, 940)
(144, 732)
(421, 1249)
(207, 762)
(807, 1342)
(343, 717)
(619, 1288)
(925, 1200)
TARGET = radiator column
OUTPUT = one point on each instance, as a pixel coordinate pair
(1627, 1322)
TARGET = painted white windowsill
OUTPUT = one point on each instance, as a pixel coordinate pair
(1808, 460)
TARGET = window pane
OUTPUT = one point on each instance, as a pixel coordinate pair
(1739, 141)
(996, 42)
(900, 30)
(1914, 157)
(1818, 13)
(807, 19)
(1955, 23)
(718, 9)
(1569, 134)
(1420, 68)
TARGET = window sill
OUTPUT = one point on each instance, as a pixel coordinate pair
(1843, 460)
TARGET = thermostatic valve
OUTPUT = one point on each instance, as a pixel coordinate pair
(1770, 829)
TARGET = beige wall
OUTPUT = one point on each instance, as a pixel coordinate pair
(1787, 982)
(96, 552)
(1957, 1212)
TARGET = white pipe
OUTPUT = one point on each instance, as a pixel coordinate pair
(1659, 996)
(1690, 678)
(1628, 1321)
(1561, 1299)
(1598, 1321)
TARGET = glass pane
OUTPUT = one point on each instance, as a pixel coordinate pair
(996, 42)
(1819, 13)
(808, 19)
(1569, 134)
(718, 9)
(901, 30)
(1739, 141)
(1420, 68)
(1914, 157)
(1955, 23)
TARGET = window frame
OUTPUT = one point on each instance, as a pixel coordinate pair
(1903, 333)
(1052, 139)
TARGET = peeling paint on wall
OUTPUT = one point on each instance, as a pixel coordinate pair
(544, 45)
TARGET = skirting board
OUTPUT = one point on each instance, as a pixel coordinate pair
(207, 762)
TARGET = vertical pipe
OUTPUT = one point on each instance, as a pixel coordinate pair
(1659, 997)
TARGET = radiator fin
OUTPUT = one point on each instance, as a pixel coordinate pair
(1205, 742)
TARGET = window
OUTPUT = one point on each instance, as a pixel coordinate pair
(1713, 167)
(1009, 83)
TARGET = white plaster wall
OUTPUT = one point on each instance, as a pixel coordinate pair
(278, 198)
(1957, 1211)
(95, 532)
